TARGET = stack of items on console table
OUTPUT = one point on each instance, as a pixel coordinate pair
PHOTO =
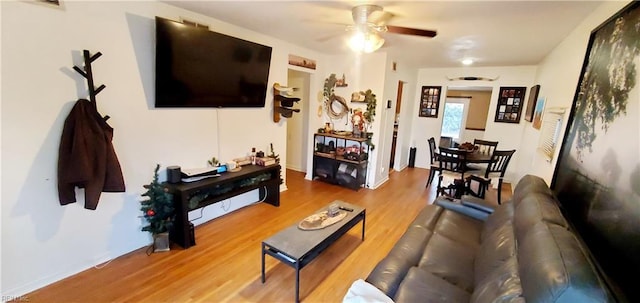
(470, 251)
(265, 161)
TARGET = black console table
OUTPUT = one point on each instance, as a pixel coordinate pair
(194, 195)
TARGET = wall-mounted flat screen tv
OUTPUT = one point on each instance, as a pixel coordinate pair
(196, 67)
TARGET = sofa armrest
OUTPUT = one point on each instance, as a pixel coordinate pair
(477, 203)
(388, 275)
(460, 208)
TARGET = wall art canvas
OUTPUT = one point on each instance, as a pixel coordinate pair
(597, 176)
(537, 113)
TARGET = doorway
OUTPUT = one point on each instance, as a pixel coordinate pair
(396, 121)
(474, 115)
(454, 118)
(297, 128)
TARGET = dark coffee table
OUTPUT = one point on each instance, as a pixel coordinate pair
(297, 248)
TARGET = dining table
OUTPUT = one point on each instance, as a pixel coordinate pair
(472, 156)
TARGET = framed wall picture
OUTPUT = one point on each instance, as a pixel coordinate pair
(430, 101)
(531, 102)
(510, 101)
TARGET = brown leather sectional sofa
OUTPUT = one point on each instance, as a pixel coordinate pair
(521, 251)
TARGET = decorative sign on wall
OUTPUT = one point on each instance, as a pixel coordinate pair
(510, 101)
(429, 101)
(302, 62)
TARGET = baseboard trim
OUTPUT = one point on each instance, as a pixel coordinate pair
(20, 291)
(379, 183)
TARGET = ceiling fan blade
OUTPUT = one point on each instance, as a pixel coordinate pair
(411, 31)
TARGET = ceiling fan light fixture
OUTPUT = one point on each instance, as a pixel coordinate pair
(366, 42)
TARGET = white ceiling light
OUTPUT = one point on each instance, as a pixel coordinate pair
(365, 41)
(467, 61)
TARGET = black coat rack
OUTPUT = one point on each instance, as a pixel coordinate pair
(88, 74)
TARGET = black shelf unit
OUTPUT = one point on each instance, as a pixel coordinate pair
(341, 160)
(212, 190)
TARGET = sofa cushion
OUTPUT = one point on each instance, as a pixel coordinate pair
(422, 286)
(554, 268)
(494, 251)
(502, 215)
(449, 260)
(533, 209)
(459, 228)
(411, 245)
(500, 285)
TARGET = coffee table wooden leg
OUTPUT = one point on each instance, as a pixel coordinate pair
(364, 218)
(263, 263)
(297, 282)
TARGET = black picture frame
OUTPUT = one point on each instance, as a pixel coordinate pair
(510, 101)
(531, 102)
(597, 175)
(430, 101)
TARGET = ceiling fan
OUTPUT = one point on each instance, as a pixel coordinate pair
(370, 21)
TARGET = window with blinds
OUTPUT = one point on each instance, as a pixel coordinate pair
(550, 131)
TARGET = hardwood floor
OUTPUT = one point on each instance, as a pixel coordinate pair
(224, 266)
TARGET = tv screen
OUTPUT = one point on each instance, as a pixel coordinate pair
(196, 67)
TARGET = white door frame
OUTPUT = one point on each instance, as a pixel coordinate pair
(465, 102)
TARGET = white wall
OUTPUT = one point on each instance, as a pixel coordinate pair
(558, 76)
(408, 75)
(362, 72)
(508, 134)
(43, 241)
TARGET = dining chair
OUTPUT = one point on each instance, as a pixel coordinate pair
(446, 142)
(483, 147)
(452, 168)
(435, 165)
(495, 169)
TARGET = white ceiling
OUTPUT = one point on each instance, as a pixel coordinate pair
(493, 33)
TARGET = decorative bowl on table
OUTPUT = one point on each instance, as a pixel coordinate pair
(467, 146)
(321, 220)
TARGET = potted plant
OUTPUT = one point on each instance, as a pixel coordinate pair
(369, 114)
(157, 209)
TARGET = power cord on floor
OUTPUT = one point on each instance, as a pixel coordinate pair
(149, 250)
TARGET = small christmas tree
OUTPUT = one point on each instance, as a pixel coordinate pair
(157, 206)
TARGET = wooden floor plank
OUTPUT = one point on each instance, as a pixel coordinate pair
(225, 264)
